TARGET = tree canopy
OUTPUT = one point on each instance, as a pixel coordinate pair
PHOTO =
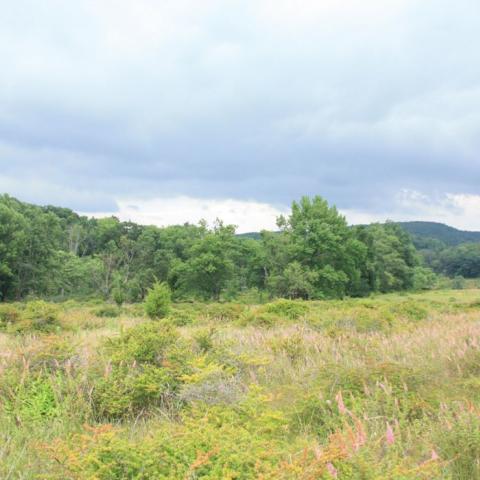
(53, 252)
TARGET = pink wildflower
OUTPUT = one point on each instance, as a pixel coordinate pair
(434, 455)
(332, 470)
(389, 435)
(341, 406)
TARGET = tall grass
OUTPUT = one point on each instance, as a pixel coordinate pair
(380, 388)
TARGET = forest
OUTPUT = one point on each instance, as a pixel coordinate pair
(54, 253)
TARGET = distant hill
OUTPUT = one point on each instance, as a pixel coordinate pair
(253, 235)
(420, 231)
(439, 231)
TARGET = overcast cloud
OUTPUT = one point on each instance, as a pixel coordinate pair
(167, 111)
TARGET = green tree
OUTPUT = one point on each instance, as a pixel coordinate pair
(320, 240)
(296, 281)
(463, 260)
(391, 257)
(12, 245)
(210, 265)
(423, 278)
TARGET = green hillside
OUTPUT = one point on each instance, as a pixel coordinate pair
(439, 231)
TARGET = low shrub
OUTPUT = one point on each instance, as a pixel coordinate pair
(144, 343)
(37, 317)
(291, 309)
(33, 400)
(218, 442)
(118, 296)
(158, 301)
(9, 315)
(132, 389)
(180, 317)
(410, 310)
(143, 370)
(224, 312)
(107, 311)
(259, 318)
(204, 339)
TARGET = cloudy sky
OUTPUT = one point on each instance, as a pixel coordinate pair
(163, 111)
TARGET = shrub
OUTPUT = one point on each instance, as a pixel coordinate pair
(107, 311)
(38, 316)
(33, 400)
(224, 312)
(158, 301)
(8, 315)
(180, 318)
(118, 296)
(130, 389)
(411, 310)
(459, 440)
(259, 318)
(144, 369)
(144, 343)
(218, 442)
(204, 339)
(291, 309)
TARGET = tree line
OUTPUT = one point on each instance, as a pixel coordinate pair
(55, 253)
(461, 260)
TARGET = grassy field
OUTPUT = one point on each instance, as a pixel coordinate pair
(380, 388)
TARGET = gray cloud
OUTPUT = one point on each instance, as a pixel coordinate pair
(251, 99)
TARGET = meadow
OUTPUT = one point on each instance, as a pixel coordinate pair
(385, 387)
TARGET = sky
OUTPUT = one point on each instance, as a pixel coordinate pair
(167, 111)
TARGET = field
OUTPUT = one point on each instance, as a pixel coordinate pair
(381, 388)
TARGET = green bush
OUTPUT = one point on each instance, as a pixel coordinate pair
(259, 318)
(291, 309)
(273, 313)
(31, 400)
(181, 318)
(411, 310)
(216, 443)
(144, 343)
(158, 301)
(146, 364)
(118, 296)
(204, 339)
(128, 390)
(38, 316)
